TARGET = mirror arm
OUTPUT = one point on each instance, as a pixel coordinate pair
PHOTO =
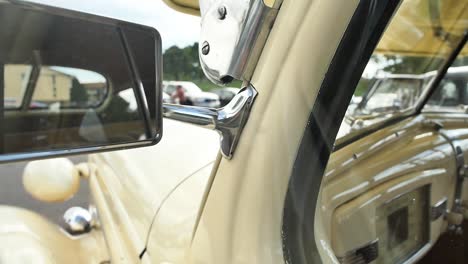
(228, 121)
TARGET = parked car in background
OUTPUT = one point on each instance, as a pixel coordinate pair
(394, 93)
(194, 93)
(225, 94)
(166, 98)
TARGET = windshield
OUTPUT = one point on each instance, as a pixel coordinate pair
(402, 68)
(392, 94)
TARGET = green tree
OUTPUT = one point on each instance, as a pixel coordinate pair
(78, 94)
(398, 64)
(182, 64)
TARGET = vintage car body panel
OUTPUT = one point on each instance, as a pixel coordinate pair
(422, 152)
(185, 6)
(362, 176)
(141, 194)
(174, 224)
(129, 186)
(242, 218)
(26, 237)
(193, 6)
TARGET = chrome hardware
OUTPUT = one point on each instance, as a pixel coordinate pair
(462, 173)
(228, 121)
(78, 220)
(362, 255)
(236, 31)
(455, 216)
(222, 12)
(92, 209)
(439, 209)
(205, 48)
(433, 124)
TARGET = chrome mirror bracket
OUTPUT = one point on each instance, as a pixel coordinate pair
(233, 33)
(228, 121)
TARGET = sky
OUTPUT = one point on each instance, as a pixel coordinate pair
(174, 27)
(83, 76)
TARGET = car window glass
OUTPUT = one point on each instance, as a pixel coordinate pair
(393, 84)
(378, 196)
(451, 94)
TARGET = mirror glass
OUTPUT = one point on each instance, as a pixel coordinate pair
(56, 86)
(74, 82)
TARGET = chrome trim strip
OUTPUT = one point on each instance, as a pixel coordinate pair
(461, 174)
(227, 121)
(439, 209)
(364, 254)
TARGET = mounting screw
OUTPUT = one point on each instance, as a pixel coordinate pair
(222, 12)
(205, 48)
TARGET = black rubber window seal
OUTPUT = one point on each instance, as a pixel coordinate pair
(359, 41)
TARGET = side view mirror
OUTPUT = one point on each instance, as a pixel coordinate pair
(75, 83)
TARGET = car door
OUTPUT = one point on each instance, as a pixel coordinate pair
(262, 204)
(307, 52)
(392, 187)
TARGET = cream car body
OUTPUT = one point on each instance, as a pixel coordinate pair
(182, 201)
(150, 199)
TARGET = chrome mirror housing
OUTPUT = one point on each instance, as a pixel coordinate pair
(233, 33)
(228, 121)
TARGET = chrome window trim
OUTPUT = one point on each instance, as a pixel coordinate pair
(439, 209)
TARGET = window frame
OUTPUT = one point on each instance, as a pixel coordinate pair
(354, 51)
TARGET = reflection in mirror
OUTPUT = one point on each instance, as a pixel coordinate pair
(69, 87)
(15, 80)
(69, 82)
(61, 87)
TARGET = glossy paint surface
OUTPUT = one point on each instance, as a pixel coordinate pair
(154, 198)
(242, 218)
(133, 184)
(376, 169)
(26, 237)
(174, 225)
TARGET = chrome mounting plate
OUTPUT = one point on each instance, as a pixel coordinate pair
(228, 121)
